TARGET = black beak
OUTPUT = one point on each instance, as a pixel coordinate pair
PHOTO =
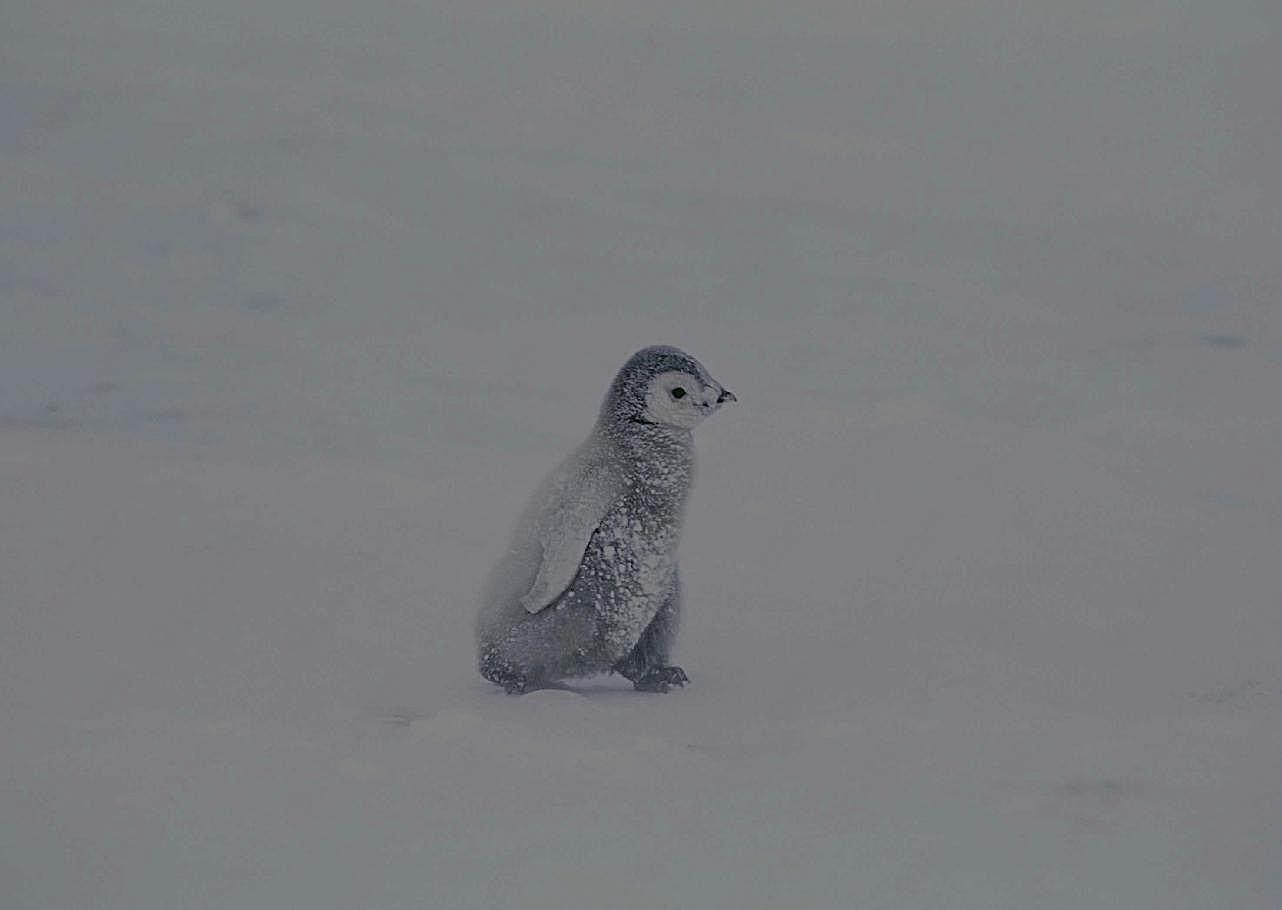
(726, 395)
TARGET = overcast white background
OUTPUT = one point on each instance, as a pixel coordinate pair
(298, 302)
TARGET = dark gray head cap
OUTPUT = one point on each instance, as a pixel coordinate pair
(626, 398)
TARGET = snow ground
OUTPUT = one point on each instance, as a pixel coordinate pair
(984, 573)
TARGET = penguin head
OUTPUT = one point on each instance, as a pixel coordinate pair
(663, 386)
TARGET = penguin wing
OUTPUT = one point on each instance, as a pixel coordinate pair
(570, 516)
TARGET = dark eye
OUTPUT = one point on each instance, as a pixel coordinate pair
(678, 392)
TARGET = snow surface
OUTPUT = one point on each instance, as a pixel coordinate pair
(983, 575)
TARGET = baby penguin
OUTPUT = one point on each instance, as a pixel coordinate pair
(589, 584)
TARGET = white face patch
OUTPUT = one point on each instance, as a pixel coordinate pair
(679, 399)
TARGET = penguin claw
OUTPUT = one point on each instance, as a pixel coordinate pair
(661, 679)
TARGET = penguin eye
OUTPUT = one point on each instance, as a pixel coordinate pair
(678, 392)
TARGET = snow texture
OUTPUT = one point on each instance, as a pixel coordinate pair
(982, 579)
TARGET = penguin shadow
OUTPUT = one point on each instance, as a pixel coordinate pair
(603, 689)
(598, 689)
(402, 716)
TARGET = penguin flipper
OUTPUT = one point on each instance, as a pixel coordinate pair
(567, 523)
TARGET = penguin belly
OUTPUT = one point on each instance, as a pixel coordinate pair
(626, 576)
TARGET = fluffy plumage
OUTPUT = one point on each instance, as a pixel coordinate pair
(589, 584)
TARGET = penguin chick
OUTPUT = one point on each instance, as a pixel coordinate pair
(589, 583)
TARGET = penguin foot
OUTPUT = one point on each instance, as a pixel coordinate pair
(661, 679)
(512, 681)
(515, 685)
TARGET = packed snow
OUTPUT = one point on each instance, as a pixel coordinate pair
(982, 576)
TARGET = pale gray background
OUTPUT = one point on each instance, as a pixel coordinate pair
(298, 300)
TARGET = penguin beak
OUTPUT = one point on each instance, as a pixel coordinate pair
(726, 395)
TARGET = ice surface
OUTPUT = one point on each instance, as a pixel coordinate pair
(983, 576)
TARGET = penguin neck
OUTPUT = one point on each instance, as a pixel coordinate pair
(661, 455)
